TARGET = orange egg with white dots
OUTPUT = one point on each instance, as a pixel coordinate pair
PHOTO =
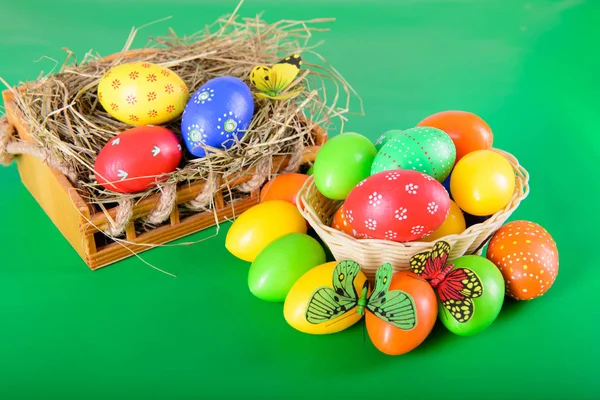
(341, 224)
(527, 256)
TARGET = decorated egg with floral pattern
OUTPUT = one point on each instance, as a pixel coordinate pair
(397, 205)
(217, 115)
(142, 93)
(137, 159)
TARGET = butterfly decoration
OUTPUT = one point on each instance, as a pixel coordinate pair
(396, 307)
(455, 288)
(273, 81)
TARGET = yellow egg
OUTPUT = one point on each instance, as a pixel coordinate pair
(453, 224)
(258, 226)
(142, 93)
(296, 302)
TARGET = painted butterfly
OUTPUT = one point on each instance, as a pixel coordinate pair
(272, 81)
(396, 307)
(455, 287)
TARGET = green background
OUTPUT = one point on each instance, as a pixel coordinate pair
(529, 68)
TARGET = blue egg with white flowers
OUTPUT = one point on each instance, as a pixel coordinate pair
(217, 114)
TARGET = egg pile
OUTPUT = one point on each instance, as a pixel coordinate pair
(146, 96)
(418, 184)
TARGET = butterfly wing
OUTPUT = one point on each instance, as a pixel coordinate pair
(396, 307)
(326, 303)
(285, 71)
(271, 81)
(383, 278)
(261, 78)
(429, 262)
(457, 291)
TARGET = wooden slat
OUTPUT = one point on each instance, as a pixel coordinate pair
(115, 251)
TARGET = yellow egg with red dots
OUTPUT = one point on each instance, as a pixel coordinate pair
(142, 93)
(527, 256)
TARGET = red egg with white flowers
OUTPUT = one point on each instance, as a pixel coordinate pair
(397, 205)
(137, 159)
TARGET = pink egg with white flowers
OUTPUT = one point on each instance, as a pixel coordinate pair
(397, 205)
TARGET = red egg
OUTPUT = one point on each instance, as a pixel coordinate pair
(527, 256)
(397, 205)
(137, 159)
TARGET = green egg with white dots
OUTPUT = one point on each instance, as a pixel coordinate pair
(423, 149)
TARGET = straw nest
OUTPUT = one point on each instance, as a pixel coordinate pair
(65, 118)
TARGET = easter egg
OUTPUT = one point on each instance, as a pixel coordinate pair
(426, 150)
(296, 302)
(138, 158)
(395, 341)
(310, 170)
(281, 264)
(341, 163)
(142, 93)
(283, 187)
(482, 182)
(340, 223)
(485, 307)
(383, 139)
(397, 205)
(454, 224)
(258, 226)
(527, 257)
(217, 115)
(468, 131)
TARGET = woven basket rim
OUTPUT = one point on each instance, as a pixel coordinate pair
(309, 213)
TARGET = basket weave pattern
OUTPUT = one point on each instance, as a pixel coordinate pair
(372, 253)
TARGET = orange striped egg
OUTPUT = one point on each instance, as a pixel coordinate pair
(527, 256)
(142, 93)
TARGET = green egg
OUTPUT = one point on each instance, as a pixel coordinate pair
(423, 149)
(279, 265)
(341, 163)
(486, 307)
(383, 139)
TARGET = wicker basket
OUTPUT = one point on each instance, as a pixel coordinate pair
(372, 253)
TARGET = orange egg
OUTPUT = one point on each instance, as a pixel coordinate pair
(527, 256)
(283, 187)
(341, 224)
(395, 341)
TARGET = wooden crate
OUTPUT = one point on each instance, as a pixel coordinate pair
(81, 224)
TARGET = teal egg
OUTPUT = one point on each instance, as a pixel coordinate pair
(279, 265)
(341, 163)
(423, 149)
(383, 139)
(485, 307)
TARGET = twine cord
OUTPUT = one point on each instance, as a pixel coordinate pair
(10, 147)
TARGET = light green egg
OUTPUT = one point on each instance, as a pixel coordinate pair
(423, 149)
(341, 163)
(486, 307)
(279, 265)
